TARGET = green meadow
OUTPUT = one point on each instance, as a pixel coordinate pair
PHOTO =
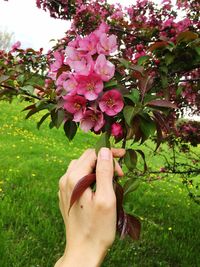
(31, 227)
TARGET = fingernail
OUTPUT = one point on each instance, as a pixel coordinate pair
(105, 153)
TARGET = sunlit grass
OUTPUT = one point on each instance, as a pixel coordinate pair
(31, 228)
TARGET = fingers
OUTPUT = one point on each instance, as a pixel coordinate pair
(104, 172)
(118, 152)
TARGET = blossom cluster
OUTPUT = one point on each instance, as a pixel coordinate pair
(81, 88)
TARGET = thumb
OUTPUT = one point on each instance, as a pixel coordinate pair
(104, 172)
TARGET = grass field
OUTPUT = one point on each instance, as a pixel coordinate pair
(31, 228)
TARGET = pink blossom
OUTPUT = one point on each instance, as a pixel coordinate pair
(103, 28)
(107, 44)
(116, 130)
(16, 45)
(75, 104)
(92, 119)
(89, 86)
(58, 61)
(62, 78)
(71, 54)
(104, 68)
(84, 66)
(111, 102)
(89, 44)
(70, 85)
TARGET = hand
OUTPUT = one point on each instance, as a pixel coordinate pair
(91, 222)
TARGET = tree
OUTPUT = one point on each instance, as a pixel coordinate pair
(5, 40)
(124, 74)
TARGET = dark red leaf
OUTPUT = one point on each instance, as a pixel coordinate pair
(157, 45)
(134, 227)
(161, 120)
(145, 83)
(29, 107)
(159, 136)
(119, 191)
(80, 187)
(161, 103)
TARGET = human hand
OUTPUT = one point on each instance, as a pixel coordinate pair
(91, 222)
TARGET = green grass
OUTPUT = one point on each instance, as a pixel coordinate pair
(31, 227)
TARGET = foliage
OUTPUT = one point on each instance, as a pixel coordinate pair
(124, 73)
(31, 226)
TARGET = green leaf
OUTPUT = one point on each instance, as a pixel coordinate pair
(43, 119)
(57, 117)
(28, 88)
(197, 49)
(70, 129)
(131, 185)
(169, 58)
(103, 141)
(125, 63)
(111, 83)
(148, 126)
(143, 60)
(129, 113)
(134, 96)
(130, 159)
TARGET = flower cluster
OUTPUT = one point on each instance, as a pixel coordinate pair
(81, 88)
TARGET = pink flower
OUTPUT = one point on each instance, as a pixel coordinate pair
(103, 28)
(89, 86)
(111, 102)
(92, 119)
(107, 44)
(83, 66)
(116, 130)
(104, 68)
(62, 78)
(89, 44)
(15, 46)
(70, 85)
(58, 61)
(75, 104)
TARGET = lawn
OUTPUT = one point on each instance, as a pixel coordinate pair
(31, 228)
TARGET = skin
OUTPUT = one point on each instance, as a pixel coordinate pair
(91, 222)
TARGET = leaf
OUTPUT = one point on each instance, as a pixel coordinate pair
(29, 107)
(161, 103)
(169, 58)
(130, 159)
(70, 129)
(80, 187)
(43, 119)
(142, 60)
(111, 83)
(125, 63)
(4, 78)
(134, 227)
(186, 36)
(148, 127)
(134, 96)
(157, 45)
(131, 185)
(129, 113)
(143, 156)
(28, 88)
(103, 141)
(159, 136)
(31, 113)
(57, 117)
(145, 83)
(161, 120)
